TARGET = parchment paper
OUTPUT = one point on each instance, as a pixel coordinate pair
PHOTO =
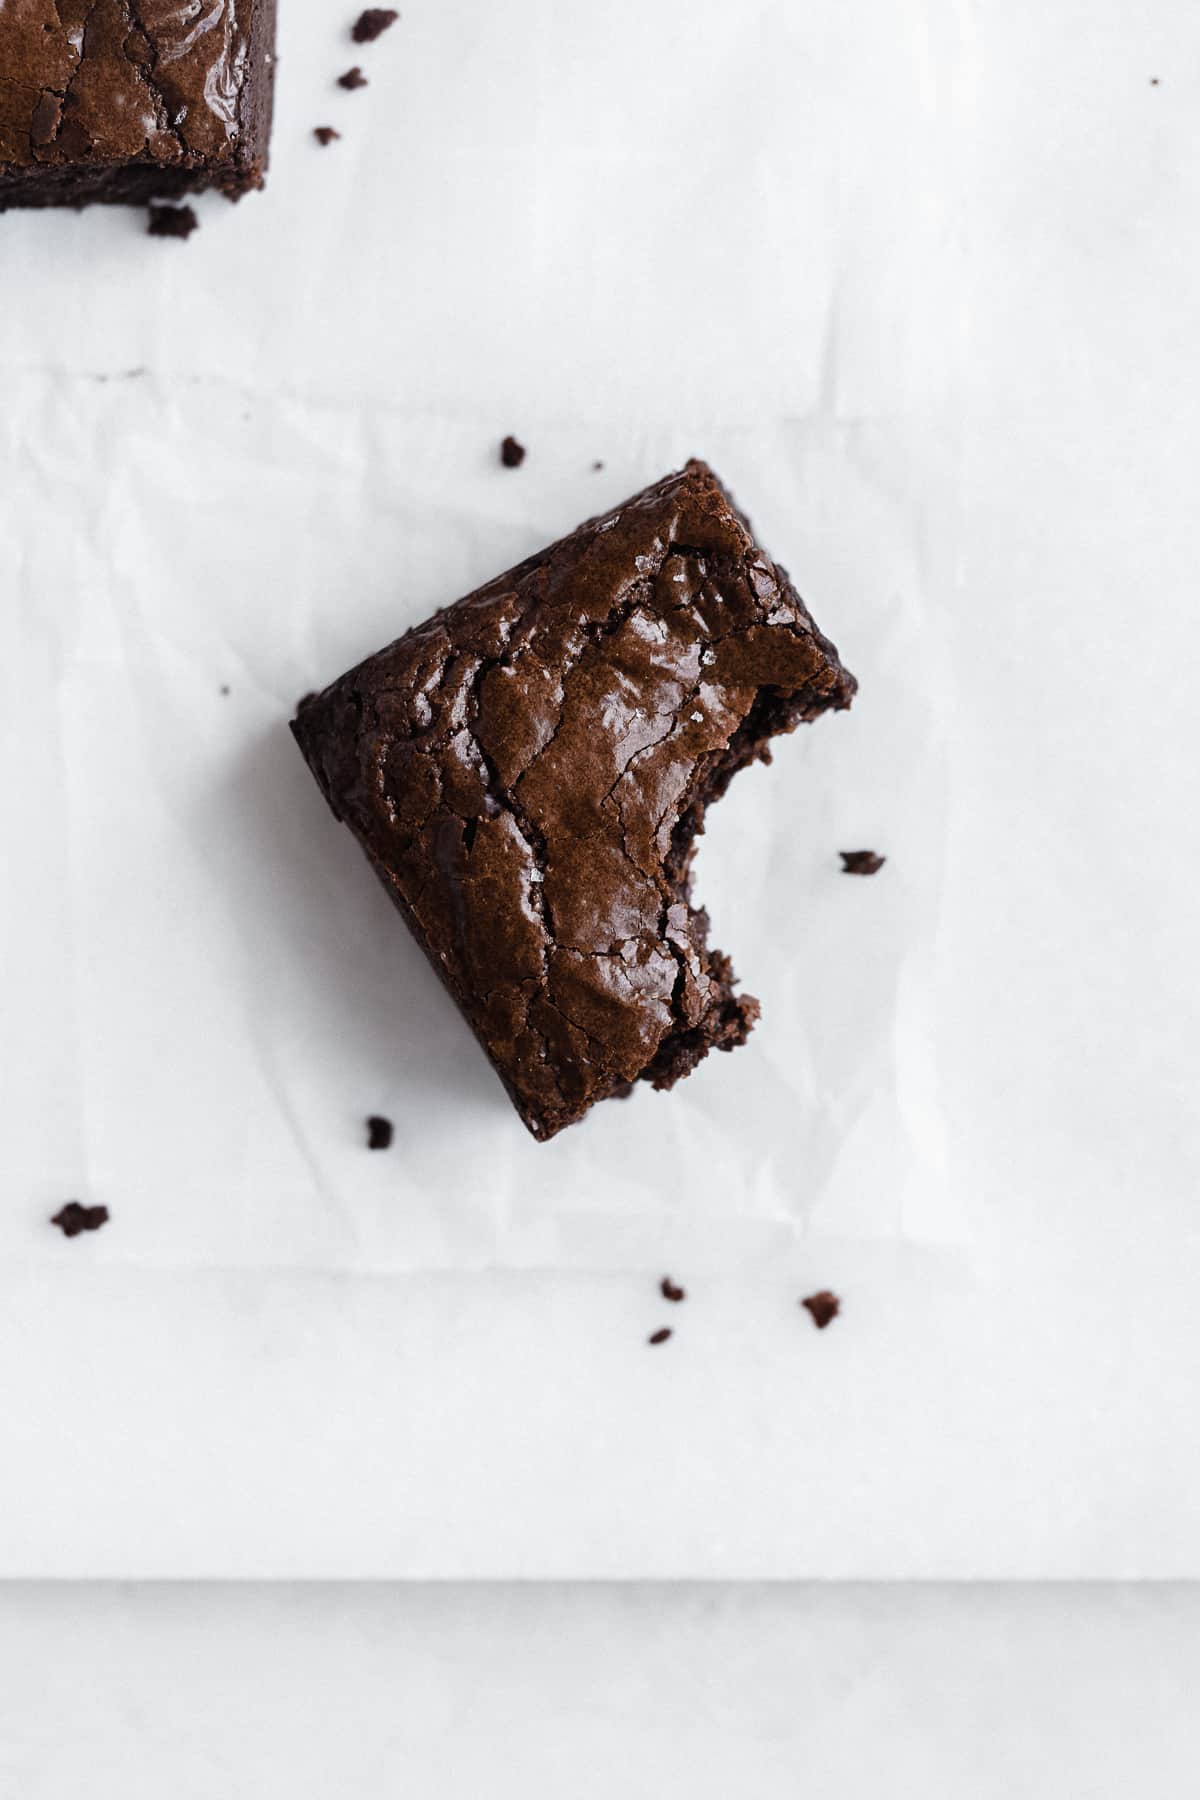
(245, 461)
(921, 281)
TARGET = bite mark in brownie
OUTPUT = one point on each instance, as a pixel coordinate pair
(129, 100)
(372, 24)
(528, 772)
(171, 222)
(74, 1218)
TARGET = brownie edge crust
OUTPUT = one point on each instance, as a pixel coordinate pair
(112, 101)
(529, 769)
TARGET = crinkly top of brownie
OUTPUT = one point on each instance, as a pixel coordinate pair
(114, 80)
(521, 767)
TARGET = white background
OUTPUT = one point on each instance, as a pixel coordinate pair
(491, 1693)
(921, 280)
(966, 286)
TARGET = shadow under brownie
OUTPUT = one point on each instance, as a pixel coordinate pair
(529, 769)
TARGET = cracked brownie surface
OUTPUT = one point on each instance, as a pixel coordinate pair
(122, 100)
(529, 769)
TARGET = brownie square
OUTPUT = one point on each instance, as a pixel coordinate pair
(528, 772)
(108, 100)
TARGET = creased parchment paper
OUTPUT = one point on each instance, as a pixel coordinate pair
(221, 994)
(247, 461)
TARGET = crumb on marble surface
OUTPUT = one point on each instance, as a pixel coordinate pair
(380, 1132)
(74, 1218)
(373, 23)
(861, 862)
(823, 1307)
(171, 222)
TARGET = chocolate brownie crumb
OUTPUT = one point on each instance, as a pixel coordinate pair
(861, 862)
(74, 1218)
(824, 1308)
(660, 1336)
(325, 134)
(353, 78)
(596, 467)
(224, 689)
(669, 1291)
(380, 1133)
(512, 454)
(171, 222)
(373, 23)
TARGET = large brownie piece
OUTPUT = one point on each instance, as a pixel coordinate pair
(528, 770)
(124, 100)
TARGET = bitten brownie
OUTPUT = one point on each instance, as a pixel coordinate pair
(528, 771)
(132, 100)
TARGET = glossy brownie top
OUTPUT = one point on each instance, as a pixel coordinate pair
(527, 771)
(109, 81)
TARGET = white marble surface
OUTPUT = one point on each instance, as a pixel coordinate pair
(922, 275)
(598, 1693)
